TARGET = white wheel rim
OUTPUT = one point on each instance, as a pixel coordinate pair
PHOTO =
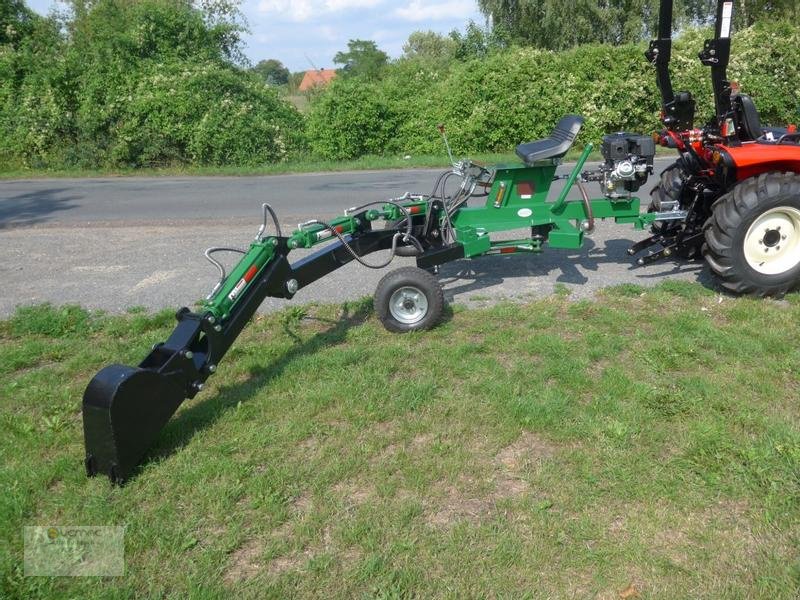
(408, 305)
(772, 244)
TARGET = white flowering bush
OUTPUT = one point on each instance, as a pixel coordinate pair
(146, 83)
(493, 103)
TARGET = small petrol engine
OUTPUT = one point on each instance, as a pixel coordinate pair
(629, 163)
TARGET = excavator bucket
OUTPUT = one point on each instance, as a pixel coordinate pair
(124, 409)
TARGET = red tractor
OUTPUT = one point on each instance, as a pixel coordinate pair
(734, 193)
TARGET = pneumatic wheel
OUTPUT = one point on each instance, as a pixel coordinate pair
(669, 189)
(409, 299)
(753, 237)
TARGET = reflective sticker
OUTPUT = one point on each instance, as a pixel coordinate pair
(525, 189)
(237, 290)
(727, 17)
(524, 213)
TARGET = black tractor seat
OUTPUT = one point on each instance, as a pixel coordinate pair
(555, 146)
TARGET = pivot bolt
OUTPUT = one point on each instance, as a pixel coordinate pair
(211, 319)
(212, 368)
(292, 286)
(274, 241)
(217, 328)
(198, 386)
(188, 354)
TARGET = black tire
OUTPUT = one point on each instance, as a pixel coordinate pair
(407, 250)
(729, 228)
(408, 284)
(669, 189)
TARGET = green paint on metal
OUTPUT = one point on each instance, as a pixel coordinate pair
(538, 213)
(314, 233)
(391, 212)
(475, 242)
(519, 186)
(241, 277)
(562, 198)
(565, 236)
(521, 245)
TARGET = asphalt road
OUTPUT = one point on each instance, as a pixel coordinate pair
(120, 242)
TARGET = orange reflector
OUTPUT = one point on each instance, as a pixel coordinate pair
(509, 250)
(339, 228)
(414, 209)
(251, 272)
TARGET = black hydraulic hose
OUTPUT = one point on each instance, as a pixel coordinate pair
(268, 208)
(407, 237)
(222, 274)
(587, 204)
(353, 253)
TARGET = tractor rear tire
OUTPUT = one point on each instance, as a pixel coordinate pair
(753, 236)
(409, 299)
(670, 189)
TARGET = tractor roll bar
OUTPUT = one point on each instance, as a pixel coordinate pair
(716, 54)
(677, 109)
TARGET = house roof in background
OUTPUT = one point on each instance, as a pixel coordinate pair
(316, 78)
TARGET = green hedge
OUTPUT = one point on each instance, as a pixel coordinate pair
(146, 83)
(155, 82)
(491, 104)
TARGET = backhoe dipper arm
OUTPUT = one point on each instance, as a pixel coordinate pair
(677, 109)
(716, 54)
(125, 408)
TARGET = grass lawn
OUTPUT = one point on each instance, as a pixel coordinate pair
(642, 445)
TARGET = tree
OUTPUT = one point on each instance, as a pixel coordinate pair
(272, 71)
(477, 41)
(16, 21)
(362, 59)
(562, 24)
(429, 46)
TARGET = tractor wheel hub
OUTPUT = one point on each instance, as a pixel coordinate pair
(772, 244)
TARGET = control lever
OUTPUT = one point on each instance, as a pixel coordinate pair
(440, 127)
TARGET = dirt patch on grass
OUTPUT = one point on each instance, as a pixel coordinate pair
(459, 505)
(244, 562)
(302, 504)
(418, 443)
(353, 493)
(721, 533)
(528, 448)
(508, 475)
(282, 564)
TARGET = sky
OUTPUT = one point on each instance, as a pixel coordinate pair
(302, 32)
